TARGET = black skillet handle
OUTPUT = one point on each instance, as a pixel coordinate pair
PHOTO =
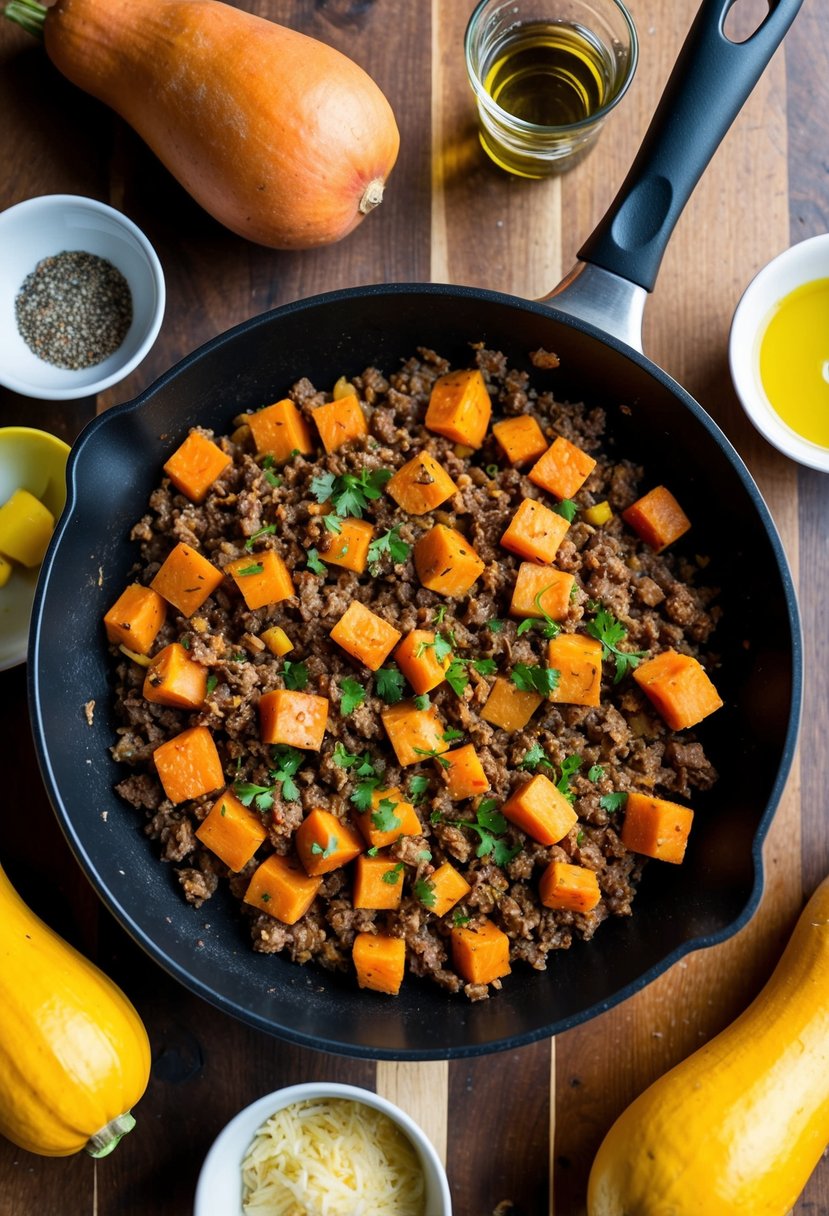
(710, 82)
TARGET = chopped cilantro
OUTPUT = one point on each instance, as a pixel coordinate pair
(570, 766)
(384, 818)
(489, 826)
(547, 626)
(496, 626)
(567, 509)
(212, 681)
(353, 695)
(363, 793)
(314, 562)
(389, 544)
(417, 788)
(433, 754)
(362, 764)
(271, 478)
(333, 523)
(373, 851)
(328, 850)
(610, 632)
(436, 817)
(424, 890)
(534, 757)
(393, 875)
(287, 761)
(422, 702)
(388, 684)
(424, 855)
(439, 614)
(449, 736)
(595, 772)
(613, 802)
(456, 676)
(459, 918)
(530, 677)
(580, 837)
(266, 531)
(295, 675)
(350, 494)
(484, 667)
(253, 568)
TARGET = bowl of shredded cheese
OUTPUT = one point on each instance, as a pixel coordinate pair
(322, 1149)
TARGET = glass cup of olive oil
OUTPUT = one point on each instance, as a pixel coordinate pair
(546, 74)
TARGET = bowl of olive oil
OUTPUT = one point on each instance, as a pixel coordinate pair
(779, 352)
(546, 74)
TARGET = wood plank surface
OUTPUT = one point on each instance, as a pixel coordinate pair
(518, 1126)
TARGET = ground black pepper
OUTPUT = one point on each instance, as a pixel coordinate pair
(74, 309)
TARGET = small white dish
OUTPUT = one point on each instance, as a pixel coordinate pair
(56, 223)
(806, 262)
(219, 1188)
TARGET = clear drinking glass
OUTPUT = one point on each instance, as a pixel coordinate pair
(546, 74)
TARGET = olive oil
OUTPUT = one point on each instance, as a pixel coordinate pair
(794, 360)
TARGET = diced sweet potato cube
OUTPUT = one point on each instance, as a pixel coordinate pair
(563, 469)
(325, 843)
(679, 688)
(510, 707)
(340, 422)
(281, 888)
(349, 547)
(279, 430)
(378, 883)
(277, 641)
(540, 810)
(446, 887)
(480, 953)
(421, 485)
(463, 772)
(188, 765)
(446, 563)
(136, 617)
(380, 962)
(296, 718)
(535, 532)
(365, 635)
(231, 831)
(459, 408)
(195, 465)
(415, 734)
(521, 439)
(658, 518)
(574, 888)
(389, 818)
(655, 827)
(263, 578)
(174, 679)
(578, 660)
(416, 658)
(186, 579)
(541, 589)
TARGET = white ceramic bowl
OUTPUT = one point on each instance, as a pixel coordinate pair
(219, 1189)
(54, 223)
(802, 263)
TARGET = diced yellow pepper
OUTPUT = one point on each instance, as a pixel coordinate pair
(26, 528)
(598, 515)
(343, 388)
(277, 641)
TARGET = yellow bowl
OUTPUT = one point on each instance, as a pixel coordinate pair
(35, 461)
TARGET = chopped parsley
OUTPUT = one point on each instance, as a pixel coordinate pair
(534, 757)
(383, 817)
(606, 629)
(295, 675)
(266, 531)
(350, 494)
(570, 766)
(363, 793)
(457, 673)
(287, 761)
(352, 695)
(314, 562)
(417, 788)
(442, 646)
(490, 825)
(332, 523)
(595, 772)
(459, 918)
(422, 702)
(530, 677)
(389, 544)
(393, 875)
(389, 684)
(613, 802)
(567, 509)
(362, 764)
(424, 890)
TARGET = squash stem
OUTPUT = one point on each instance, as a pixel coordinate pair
(104, 1141)
(27, 13)
(372, 196)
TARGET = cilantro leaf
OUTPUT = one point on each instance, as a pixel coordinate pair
(268, 530)
(613, 802)
(329, 848)
(353, 695)
(388, 684)
(383, 817)
(547, 626)
(502, 854)
(595, 772)
(489, 825)
(253, 568)
(258, 796)
(417, 788)
(212, 681)
(421, 702)
(348, 493)
(485, 667)
(530, 677)
(288, 761)
(314, 562)
(439, 614)
(433, 754)
(459, 918)
(567, 509)
(424, 890)
(393, 875)
(569, 768)
(610, 632)
(389, 544)
(295, 675)
(535, 756)
(496, 626)
(322, 486)
(363, 793)
(456, 676)
(362, 764)
(332, 523)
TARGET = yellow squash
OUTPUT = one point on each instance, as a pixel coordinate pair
(738, 1127)
(74, 1054)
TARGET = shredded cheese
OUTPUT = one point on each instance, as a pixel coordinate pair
(331, 1157)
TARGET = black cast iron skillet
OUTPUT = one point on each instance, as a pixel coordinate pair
(593, 325)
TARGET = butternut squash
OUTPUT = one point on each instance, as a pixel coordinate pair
(738, 1126)
(279, 137)
(74, 1054)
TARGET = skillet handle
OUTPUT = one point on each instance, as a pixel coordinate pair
(708, 86)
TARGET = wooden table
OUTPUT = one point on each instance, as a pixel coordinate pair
(524, 1125)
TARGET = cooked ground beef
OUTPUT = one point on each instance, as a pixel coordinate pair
(622, 745)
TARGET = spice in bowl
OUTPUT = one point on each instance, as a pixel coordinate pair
(74, 309)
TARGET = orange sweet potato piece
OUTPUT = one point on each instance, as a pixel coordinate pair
(421, 485)
(540, 589)
(296, 718)
(480, 953)
(135, 618)
(365, 635)
(521, 439)
(231, 831)
(679, 688)
(540, 810)
(325, 843)
(340, 422)
(387, 806)
(574, 888)
(378, 883)
(510, 707)
(446, 563)
(416, 658)
(195, 465)
(188, 765)
(463, 772)
(447, 886)
(578, 660)
(174, 679)
(263, 578)
(563, 469)
(281, 888)
(279, 430)
(655, 827)
(186, 579)
(535, 532)
(349, 547)
(415, 734)
(459, 408)
(379, 961)
(658, 518)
